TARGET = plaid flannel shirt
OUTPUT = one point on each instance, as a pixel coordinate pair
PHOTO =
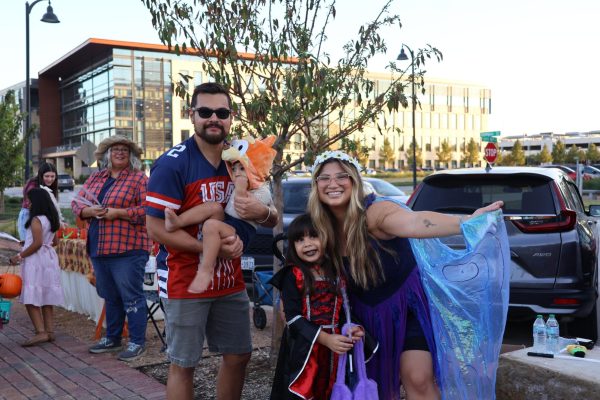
(128, 192)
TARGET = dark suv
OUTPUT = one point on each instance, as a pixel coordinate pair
(553, 240)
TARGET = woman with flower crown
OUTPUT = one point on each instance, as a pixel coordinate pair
(366, 239)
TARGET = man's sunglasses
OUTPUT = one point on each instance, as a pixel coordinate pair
(205, 112)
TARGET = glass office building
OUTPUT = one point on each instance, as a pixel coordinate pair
(104, 88)
(129, 94)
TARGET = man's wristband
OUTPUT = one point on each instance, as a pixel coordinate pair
(268, 215)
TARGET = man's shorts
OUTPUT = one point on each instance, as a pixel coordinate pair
(225, 321)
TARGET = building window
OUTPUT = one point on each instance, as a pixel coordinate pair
(184, 114)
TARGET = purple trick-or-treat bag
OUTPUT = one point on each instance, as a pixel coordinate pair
(365, 388)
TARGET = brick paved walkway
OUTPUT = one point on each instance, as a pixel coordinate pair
(64, 369)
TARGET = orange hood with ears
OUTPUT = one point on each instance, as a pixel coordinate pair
(255, 155)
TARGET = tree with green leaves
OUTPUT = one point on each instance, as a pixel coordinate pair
(592, 155)
(544, 157)
(517, 155)
(501, 158)
(471, 155)
(387, 153)
(11, 143)
(574, 154)
(409, 156)
(559, 153)
(270, 54)
(444, 153)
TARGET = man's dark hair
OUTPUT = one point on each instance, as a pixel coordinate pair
(210, 88)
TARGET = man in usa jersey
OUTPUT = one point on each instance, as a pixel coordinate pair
(187, 175)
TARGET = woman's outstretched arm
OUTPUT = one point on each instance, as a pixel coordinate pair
(386, 219)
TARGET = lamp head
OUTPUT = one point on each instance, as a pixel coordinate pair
(402, 56)
(50, 17)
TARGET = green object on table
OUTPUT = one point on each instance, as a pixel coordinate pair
(576, 350)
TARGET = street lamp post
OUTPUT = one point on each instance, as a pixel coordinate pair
(403, 57)
(50, 18)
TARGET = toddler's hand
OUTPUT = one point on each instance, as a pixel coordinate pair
(14, 260)
(339, 344)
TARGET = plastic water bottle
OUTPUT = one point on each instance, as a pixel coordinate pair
(552, 335)
(539, 334)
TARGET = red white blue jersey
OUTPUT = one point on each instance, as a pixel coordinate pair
(180, 179)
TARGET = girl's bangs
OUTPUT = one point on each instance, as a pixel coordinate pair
(300, 227)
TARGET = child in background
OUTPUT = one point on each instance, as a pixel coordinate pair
(311, 292)
(249, 163)
(47, 176)
(40, 270)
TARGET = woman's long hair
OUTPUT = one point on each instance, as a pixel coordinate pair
(48, 167)
(135, 163)
(41, 204)
(365, 265)
(300, 227)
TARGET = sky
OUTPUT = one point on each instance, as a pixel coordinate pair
(540, 58)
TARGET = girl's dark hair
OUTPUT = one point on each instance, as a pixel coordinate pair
(47, 167)
(300, 227)
(42, 204)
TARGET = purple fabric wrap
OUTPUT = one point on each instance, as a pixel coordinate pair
(386, 321)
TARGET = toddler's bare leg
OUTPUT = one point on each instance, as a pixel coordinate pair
(195, 215)
(212, 232)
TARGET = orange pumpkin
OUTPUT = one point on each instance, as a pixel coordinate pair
(10, 285)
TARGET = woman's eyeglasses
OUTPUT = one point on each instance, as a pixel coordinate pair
(205, 112)
(119, 149)
(340, 178)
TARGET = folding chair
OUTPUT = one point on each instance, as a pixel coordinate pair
(155, 304)
(152, 297)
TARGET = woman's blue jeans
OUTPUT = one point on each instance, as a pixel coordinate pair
(120, 282)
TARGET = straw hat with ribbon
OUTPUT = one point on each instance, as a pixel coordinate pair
(117, 139)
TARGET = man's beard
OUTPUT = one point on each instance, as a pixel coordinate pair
(211, 139)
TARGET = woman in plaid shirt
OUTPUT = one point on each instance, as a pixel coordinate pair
(111, 200)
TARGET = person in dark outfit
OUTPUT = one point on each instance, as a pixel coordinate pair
(311, 292)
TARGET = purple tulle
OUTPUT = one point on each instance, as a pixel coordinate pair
(386, 321)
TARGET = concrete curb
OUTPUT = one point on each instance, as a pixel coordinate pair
(523, 377)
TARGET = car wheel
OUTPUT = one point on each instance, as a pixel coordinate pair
(259, 316)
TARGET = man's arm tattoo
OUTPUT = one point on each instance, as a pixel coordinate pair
(428, 223)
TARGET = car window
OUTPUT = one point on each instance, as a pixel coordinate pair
(295, 197)
(521, 195)
(571, 196)
(385, 188)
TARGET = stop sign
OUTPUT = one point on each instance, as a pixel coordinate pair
(490, 152)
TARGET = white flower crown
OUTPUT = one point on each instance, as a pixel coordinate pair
(338, 155)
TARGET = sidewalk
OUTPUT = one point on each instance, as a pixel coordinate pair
(64, 369)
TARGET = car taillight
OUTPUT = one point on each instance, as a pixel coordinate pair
(565, 221)
(565, 301)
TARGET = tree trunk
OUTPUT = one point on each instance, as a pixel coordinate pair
(278, 322)
(2, 202)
